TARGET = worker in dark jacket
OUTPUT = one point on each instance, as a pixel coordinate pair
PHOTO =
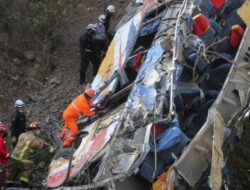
(109, 12)
(18, 122)
(88, 52)
(101, 34)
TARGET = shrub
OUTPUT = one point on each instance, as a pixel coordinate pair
(35, 24)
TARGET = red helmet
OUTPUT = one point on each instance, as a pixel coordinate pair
(3, 128)
(34, 125)
(89, 92)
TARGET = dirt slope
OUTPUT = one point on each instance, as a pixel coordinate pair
(47, 93)
(60, 86)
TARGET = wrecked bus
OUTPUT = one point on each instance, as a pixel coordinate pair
(175, 94)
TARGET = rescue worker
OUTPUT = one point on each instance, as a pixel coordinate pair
(81, 105)
(231, 44)
(4, 154)
(109, 12)
(21, 166)
(88, 52)
(101, 34)
(18, 122)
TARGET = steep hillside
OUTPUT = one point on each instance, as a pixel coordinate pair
(31, 81)
(47, 90)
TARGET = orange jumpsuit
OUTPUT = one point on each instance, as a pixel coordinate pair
(80, 106)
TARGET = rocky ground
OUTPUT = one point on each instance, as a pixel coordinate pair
(47, 91)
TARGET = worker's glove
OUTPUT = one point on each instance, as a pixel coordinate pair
(93, 105)
(63, 133)
(52, 150)
(13, 140)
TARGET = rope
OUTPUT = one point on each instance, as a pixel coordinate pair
(221, 56)
(155, 155)
(217, 42)
(70, 164)
(199, 55)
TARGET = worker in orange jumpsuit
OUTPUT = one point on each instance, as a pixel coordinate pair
(81, 105)
(4, 154)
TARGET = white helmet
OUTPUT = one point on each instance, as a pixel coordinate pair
(91, 27)
(19, 103)
(111, 8)
(102, 18)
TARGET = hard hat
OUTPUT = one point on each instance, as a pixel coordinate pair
(111, 8)
(34, 125)
(3, 128)
(91, 27)
(102, 18)
(19, 103)
(89, 92)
